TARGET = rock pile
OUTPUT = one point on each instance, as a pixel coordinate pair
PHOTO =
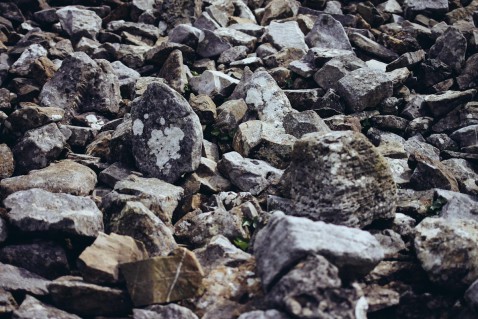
(251, 159)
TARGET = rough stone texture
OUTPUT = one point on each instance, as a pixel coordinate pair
(19, 280)
(79, 22)
(457, 205)
(37, 210)
(442, 103)
(335, 69)
(299, 124)
(427, 6)
(450, 48)
(33, 308)
(173, 71)
(278, 9)
(328, 33)
(431, 173)
(267, 314)
(215, 84)
(364, 88)
(163, 279)
(442, 245)
(175, 12)
(99, 263)
(23, 66)
(7, 303)
(211, 45)
(3, 230)
(340, 178)
(466, 138)
(31, 116)
(164, 312)
(286, 35)
(167, 134)
(353, 251)
(465, 173)
(7, 163)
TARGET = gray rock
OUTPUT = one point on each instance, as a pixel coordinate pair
(185, 34)
(215, 84)
(400, 170)
(299, 124)
(37, 210)
(74, 295)
(211, 45)
(428, 6)
(286, 35)
(447, 251)
(249, 28)
(174, 72)
(364, 88)
(267, 314)
(440, 104)
(31, 116)
(467, 138)
(175, 12)
(204, 107)
(285, 240)
(127, 77)
(79, 22)
(408, 59)
(335, 69)
(164, 312)
(167, 134)
(442, 142)
(417, 144)
(457, 205)
(7, 303)
(18, 280)
(450, 48)
(430, 174)
(391, 242)
(233, 54)
(206, 22)
(33, 308)
(279, 9)
(7, 162)
(114, 173)
(137, 221)
(328, 171)
(39, 147)
(248, 175)
(230, 114)
(465, 173)
(328, 33)
(45, 258)
(23, 66)
(235, 37)
(206, 179)
(471, 297)
(459, 117)
(373, 48)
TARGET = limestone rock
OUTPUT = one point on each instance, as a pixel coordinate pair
(286, 35)
(7, 303)
(299, 124)
(328, 33)
(7, 163)
(33, 308)
(79, 22)
(167, 134)
(431, 173)
(173, 71)
(335, 69)
(441, 104)
(215, 84)
(19, 280)
(450, 48)
(164, 312)
(279, 9)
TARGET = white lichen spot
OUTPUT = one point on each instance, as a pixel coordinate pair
(165, 145)
(162, 121)
(138, 127)
(146, 116)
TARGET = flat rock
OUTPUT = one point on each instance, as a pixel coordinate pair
(37, 210)
(211, 45)
(450, 48)
(163, 279)
(441, 104)
(287, 239)
(33, 308)
(19, 280)
(286, 35)
(164, 312)
(373, 48)
(79, 22)
(328, 33)
(166, 139)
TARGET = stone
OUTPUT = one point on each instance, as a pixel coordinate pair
(62, 177)
(434, 7)
(215, 84)
(373, 48)
(400, 170)
(379, 298)
(459, 117)
(267, 314)
(17, 280)
(466, 138)
(211, 45)
(137, 221)
(204, 107)
(166, 141)
(285, 240)
(33, 308)
(364, 88)
(82, 84)
(38, 148)
(328, 171)
(235, 37)
(248, 175)
(233, 54)
(164, 312)
(470, 296)
(99, 263)
(328, 33)
(7, 162)
(32, 116)
(114, 173)
(45, 258)
(230, 114)
(443, 246)
(431, 173)
(79, 22)
(335, 69)
(456, 205)
(406, 60)
(279, 9)
(7, 303)
(441, 104)
(3, 230)
(37, 210)
(442, 142)
(74, 295)
(163, 279)
(299, 124)
(185, 34)
(465, 173)
(173, 71)
(127, 77)
(417, 144)
(206, 179)
(286, 35)
(467, 79)
(175, 12)
(450, 48)
(23, 66)
(392, 243)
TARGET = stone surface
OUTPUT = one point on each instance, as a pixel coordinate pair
(215, 84)
(328, 33)
(286, 35)
(31, 116)
(268, 314)
(164, 312)
(37, 210)
(7, 162)
(450, 48)
(7, 303)
(18, 280)
(163, 279)
(440, 104)
(79, 22)
(33, 308)
(166, 140)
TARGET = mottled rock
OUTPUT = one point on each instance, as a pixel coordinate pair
(215, 84)
(230, 115)
(466, 138)
(459, 117)
(33, 308)
(431, 173)
(7, 303)
(286, 35)
(99, 263)
(18, 280)
(31, 116)
(465, 173)
(163, 279)
(127, 77)
(450, 48)
(204, 107)
(233, 54)
(185, 34)
(440, 104)
(23, 66)
(211, 45)
(335, 69)
(167, 134)
(279, 9)
(456, 205)
(164, 312)
(328, 33)
(174, 12)
(37, 210)
(206, 179)
(79, 22)
(408, 59)
(267, 314)
(3, 230)
(353, 251)
(373, 48)
(7, 163)
(428, 6)
(299, 124)
(173, 71)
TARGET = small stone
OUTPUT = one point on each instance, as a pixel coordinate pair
(206, 179)
(431, 173)
(164, 312)
(114, 173)
(33, 308)
(335, 69)
(279, 9)
(7, 303)
(299, 124)
(185, 34)
(3, 230)
(459, 117)
(440, 104)
(127, 77)
(267, 314)
(204, 107)
(233, 54)
(286, 35)
(79, 22)
(430, 6)
(173, 71)
(235, 37)
(18, 280)
(328, 33)
(450, 48)
(215, 84)
(465, 173)
(456, 205)
(408, 59)
(32, 116)
(7, 163)
(373, 48)
(230, 114)
(23, 66)
(163, 279)
(211, 45)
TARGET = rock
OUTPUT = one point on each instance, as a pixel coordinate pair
(443, 246)
(33, 308)
(465, 173)
(313, 289)
(79, 22)
(233, 54)
(417, 144)
(459, 117)
(286, 35)
(37, 210)
(166, 140)
(450, 48)
(406, 60)
(31, 116)
(82, 84)
(3, 230)
(185, 34)
(173, 71)
(45, 258)
(299, 124)
(163, 279)
(230, 115)
(373, 48)
(391, 242)
(114, 173)
(379, 298)
(335, 69)
(431, 173)
(23, 66)
(323, 185)
(212, 45)
(18, 280)
(268, 314)
(440, 104)
(73, 295)
(99, 263)
(7, 163)
(204, 107)
(470, 296)
(467, 79)
(285, 240)
(456, 205)
(328, 33)
(7, 303)
(127, 77)
(247, 174)
(466, 138)
(434, 7)
(164, 312)
(206, 179)
(235, 37)
(279, 9)
(215, 84)
(364, 88)
(38, 148)
(174, 12)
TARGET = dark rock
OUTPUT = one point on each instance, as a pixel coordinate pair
(432, 7)
(458, 118)
(431, 173)
(279, 9)
(373, 48)
(328, 33)
(33, 308)
(164, 312)
(335, 69)
(299, 124)
(173, 71)
(466, 138)
(32, 116)
(450, 48)
(215, 84)
(440, 104)
(212, 45)
(185, 34)
(267, 314)
(79, 22)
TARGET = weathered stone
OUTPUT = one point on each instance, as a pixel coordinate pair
(163, 279)
(286, 239)
(45, 258)
(335, 69)
(164, 312)
(400, 170)
(456, 205)
(7, 303)
(459, 117)
(23, 66)
(166, 140)
(299, 124)
(328, 171)
(431, 173)
(99, 263)
(174, 12)
(434, 7)
(114, 173)
(433, 71)
(127, 77)
(215, 84)
(137, 221)
(279, 9)
(79, 22)
(249, 175)
(286, 35)
(204, 107)
(7, 163)
(18, 280)
(465, 173)
(373, 48)
(33, 308)
(233, 54)
(230, 114)
(3, 230)
(185, 34)
(468, 77)
(442, 142)
(440, 104)
(417, 144)
(267, 314)
(31, 116)
(37, 210)
(450, 48)
(447, 252)
(328, 33)
(408, 59)
(211, 45)
(235, 37)
(466, 138)
(206, 179)
(173, 71)
(74, 295)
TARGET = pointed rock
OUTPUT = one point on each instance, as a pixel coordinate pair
(328, 33)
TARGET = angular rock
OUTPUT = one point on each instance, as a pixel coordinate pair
(7, 163)
(3, 230)
(428, 6)
(328, 171)
(299, 124)
(31, 116)
(33, 308)
(215, 84)
(206, 179)
(408, 59)
(79, 22)
(335, 69)
(185, 34)
(204, 107)
(99, 263)
(7, 303)
(167, 134)
(286, 35)
(373, 48)
(267, 314)
(114, 173)
(450, 48)
(466, 138)
(459, 117)
(127, 77)
(18, 280)
(235, 37)
(173, 71)
(233, 54)
(23, 66)
(328, 33)
(285, 240)
(279, 9)
(431, 173)
(163, 279)
(456, 205)
(465, 173)
(211, 45)
(174, 12)
(164, 312)
(440, 104)
(37, 210)
(230, 115)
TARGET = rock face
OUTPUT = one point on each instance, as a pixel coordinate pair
(328, 33)
(7, 165)
(19, 280)
(167, 134)
(340, 178)
(33, 308)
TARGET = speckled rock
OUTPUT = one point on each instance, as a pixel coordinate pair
(7, 163)
(167, 134)
(19, 280)
(33, 308)
(164, 312)
(79, 22)
(328, 33)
